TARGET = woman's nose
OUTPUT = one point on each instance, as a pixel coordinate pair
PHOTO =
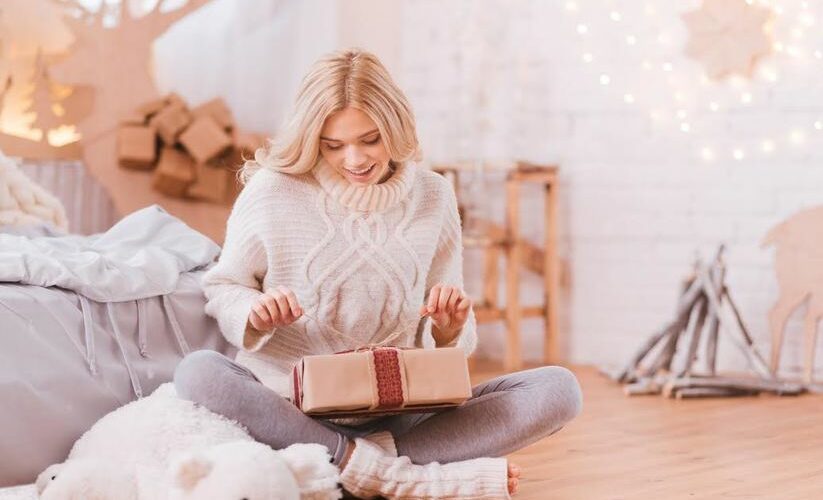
(354, 157)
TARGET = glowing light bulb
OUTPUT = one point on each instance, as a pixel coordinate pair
(588, 57)
(631, 40)
(778, 46)
(707, 154)
(818, 54)
(818, 125)
(714, 106)
(571, 6)
(679, 97)
(615, 16)
(767, 146)
(604, 79)
(647, 65)
(738, 154)
(685, 127)
(667, 66)
(628, 98)
(797, 136)
(582, 29)
(681, 113)
(746, 98)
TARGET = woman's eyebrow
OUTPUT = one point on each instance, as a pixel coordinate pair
(370, 132)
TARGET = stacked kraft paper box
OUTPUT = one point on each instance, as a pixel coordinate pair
(193, 152)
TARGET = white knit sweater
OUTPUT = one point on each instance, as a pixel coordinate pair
(361, 261)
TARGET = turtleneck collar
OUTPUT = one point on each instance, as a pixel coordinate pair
(371, 198)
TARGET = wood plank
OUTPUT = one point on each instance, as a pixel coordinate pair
(651, 448)
(513, 259)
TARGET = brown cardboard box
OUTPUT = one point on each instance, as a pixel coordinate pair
(205, 139)
(211, 184)
(173, 98)
(217, 110)
(151, 108)
(175, 172)
(133, 118)
(170, 122)
(136, 146)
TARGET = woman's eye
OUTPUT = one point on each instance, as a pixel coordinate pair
(333, 148)
(373, 141)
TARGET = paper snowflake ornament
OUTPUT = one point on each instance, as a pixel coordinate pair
(728, 36)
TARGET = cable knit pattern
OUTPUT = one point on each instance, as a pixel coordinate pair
(361, 261)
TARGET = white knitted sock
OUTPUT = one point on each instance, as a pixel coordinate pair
(371, 472)
(385, 440)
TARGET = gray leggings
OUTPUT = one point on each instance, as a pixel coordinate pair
(503, 415)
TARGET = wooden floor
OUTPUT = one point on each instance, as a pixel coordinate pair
(656, 448)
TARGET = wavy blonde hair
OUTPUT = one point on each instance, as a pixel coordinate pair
(350, 77)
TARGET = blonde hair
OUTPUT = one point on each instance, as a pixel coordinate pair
(350, 77)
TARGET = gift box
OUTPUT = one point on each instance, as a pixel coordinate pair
(175, 172)
(136, 147)
(381, 381)
(205, 139)
(170, 122)
(211, 183)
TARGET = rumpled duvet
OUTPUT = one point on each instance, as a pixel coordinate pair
(90, 323)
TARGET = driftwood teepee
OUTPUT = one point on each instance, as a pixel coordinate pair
(704, 310)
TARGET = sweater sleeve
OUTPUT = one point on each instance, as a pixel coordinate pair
(233, 284)
(447, 268)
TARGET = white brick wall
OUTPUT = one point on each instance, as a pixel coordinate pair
(504, 79)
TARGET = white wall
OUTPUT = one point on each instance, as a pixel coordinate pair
(500, 79)
(638, 199)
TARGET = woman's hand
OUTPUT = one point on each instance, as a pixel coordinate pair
(276, 307)
(449, 308)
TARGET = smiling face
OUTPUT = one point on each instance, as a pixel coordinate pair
(351, 144)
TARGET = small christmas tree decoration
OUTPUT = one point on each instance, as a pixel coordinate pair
(175, 172)
(205, 139)
(136, 147)
(728, 36)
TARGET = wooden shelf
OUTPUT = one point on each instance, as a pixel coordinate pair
(497, 239)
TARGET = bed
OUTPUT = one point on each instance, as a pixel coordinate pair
(81, 336)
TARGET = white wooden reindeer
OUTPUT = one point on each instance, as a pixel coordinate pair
(799, 268)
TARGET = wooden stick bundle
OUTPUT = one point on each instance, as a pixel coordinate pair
(705, 308)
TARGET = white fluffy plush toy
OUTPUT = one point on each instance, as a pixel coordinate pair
(164, 447)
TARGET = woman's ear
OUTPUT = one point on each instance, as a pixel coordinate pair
(188, 470)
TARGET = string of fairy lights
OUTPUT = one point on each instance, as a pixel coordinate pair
(691, 99)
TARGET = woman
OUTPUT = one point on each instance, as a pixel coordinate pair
(339, 240)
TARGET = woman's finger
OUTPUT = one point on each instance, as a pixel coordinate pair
(434, 296)
(455, 297)
(271, 306)
(463, 304)
(292, 301)
(261, 312)
(445, 295)
(283, 305)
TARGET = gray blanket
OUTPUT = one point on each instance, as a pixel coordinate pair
(67, 360)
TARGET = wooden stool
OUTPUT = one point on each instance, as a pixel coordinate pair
(496, 239)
